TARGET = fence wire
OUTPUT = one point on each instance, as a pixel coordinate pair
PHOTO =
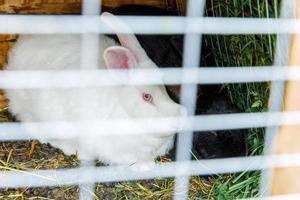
(39, 178)
(169, 76)
(90, 25)
(33, 24)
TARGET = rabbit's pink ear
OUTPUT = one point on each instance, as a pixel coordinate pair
(130, 41)
(117, 57)
(127, 39)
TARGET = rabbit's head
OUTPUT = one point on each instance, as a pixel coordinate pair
(140, 101)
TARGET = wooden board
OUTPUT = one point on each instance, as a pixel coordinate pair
(74, 6)
(286, 180)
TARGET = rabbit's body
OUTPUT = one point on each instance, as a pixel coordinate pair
(54, 52)
(62, 52)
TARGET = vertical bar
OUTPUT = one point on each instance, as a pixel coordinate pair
(86, 191)
(90, 51)
(287, 141)
(191, 58)
(90, 42)
(277, 92)
(91, 7)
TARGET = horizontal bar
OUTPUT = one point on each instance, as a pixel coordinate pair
(39, 178)
(49, 24)
(278, 197)
(67, 130)
(167, 76)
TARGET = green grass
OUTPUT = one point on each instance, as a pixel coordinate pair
(243, 50)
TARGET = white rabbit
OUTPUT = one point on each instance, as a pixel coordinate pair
(62, 52)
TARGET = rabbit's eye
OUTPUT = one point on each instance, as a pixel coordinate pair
(147, 97)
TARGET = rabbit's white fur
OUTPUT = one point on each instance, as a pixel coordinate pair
(62, 52)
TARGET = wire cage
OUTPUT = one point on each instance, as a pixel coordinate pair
(249, 52)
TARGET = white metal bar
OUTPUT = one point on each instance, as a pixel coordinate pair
(90, 51)
(35, 24)
(91, 7)
(86, 190)
(15, 131)
(279, 197)
(39, 178)
(188, 96)
(277, 91)
(87, 24)
(191, 60)
(167, 76)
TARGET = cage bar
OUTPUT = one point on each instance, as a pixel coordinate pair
(17, 131)
(277, 91)
(32, 24)
(194, 24)
(172, 76)
(285, 181)
(40, 178)
(188, 97)
(90, 51)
